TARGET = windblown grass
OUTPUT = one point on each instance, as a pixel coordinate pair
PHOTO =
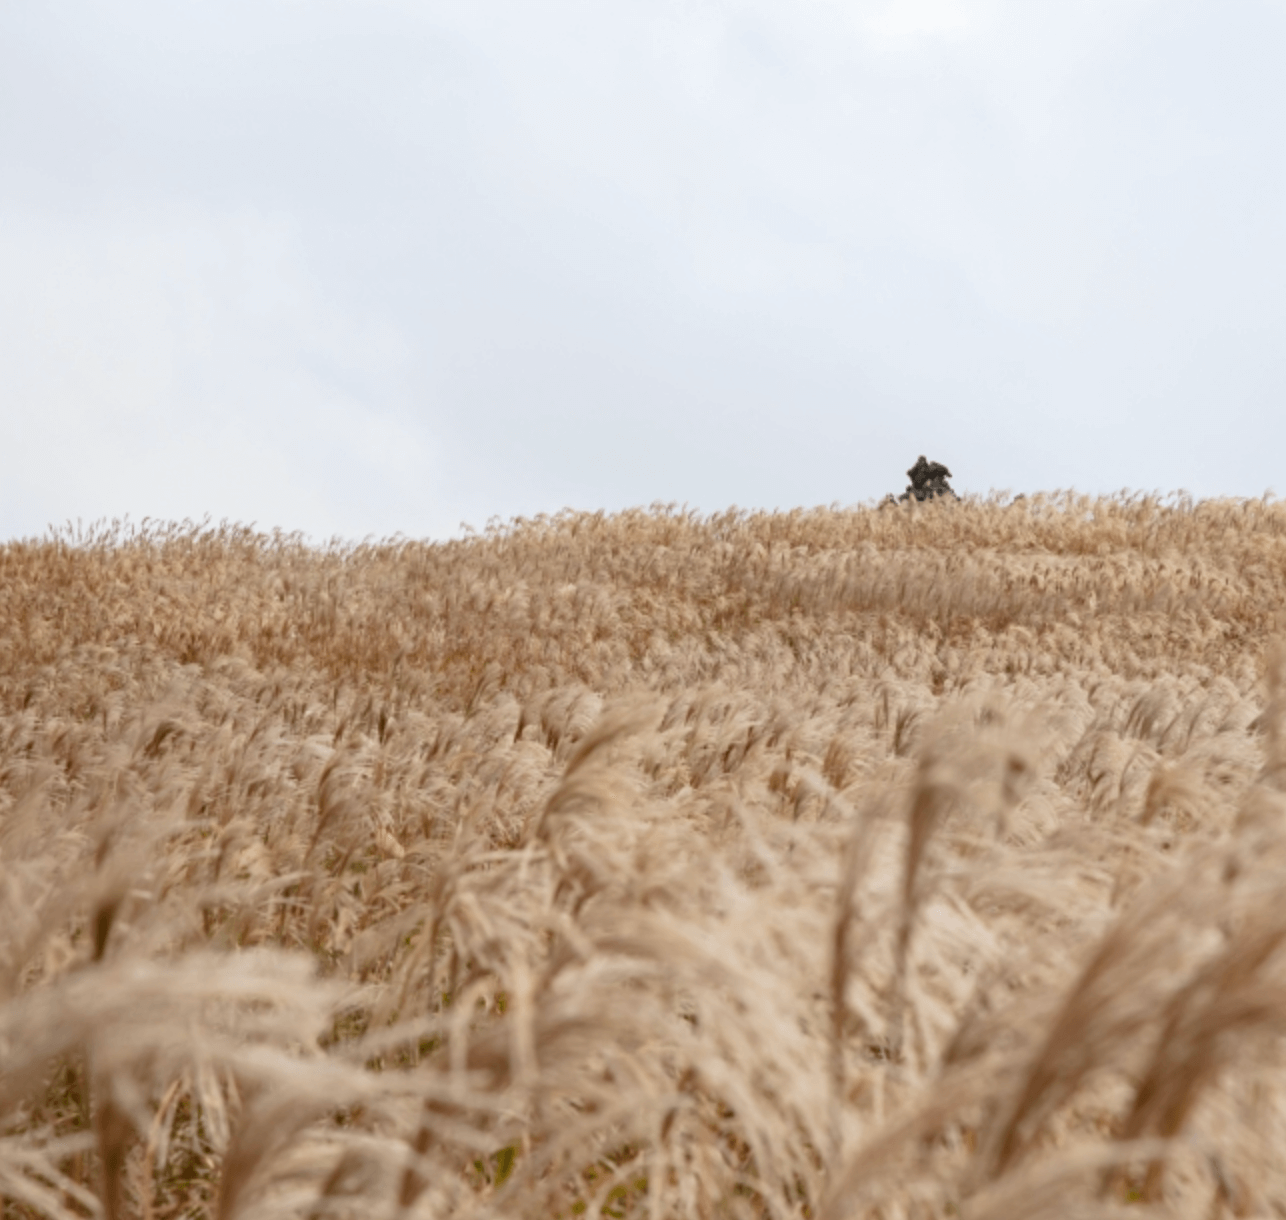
(917, 862)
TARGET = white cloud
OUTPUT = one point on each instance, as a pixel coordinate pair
(571, 252)
(902, 20)
(179, 366)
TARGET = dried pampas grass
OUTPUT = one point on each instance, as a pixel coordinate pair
(836, 864)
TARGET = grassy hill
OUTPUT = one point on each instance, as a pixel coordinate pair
(924, 861)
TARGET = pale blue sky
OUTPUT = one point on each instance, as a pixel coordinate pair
(366, 267)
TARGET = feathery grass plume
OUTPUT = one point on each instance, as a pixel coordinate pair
(1103, 1015)
(831, 862)
(858, 852)
(1273, 718)
(1205, 1024)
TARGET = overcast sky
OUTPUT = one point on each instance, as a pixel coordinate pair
(358, 267)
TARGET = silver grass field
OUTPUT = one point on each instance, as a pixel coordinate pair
(916, 862)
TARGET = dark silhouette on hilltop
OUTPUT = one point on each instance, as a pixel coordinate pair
(928, 482)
